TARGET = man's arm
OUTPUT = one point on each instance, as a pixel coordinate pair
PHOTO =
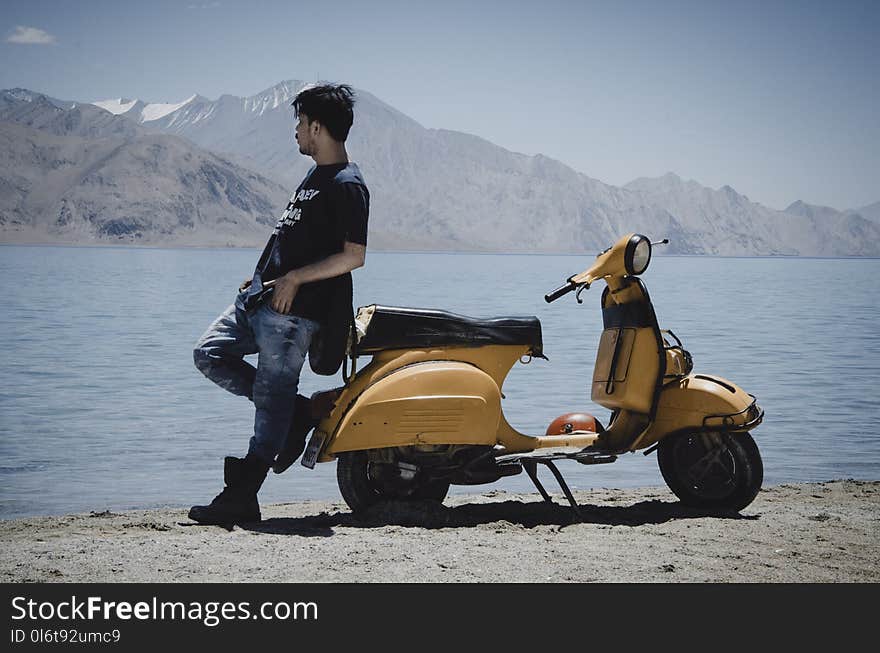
(351, 257)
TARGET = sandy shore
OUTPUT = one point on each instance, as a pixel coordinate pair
(812, 532)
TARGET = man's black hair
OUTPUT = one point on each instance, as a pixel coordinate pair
(329, 104)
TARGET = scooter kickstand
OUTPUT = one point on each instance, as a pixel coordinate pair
(531, 467)
(565, 489)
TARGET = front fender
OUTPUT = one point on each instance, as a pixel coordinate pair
(436, 402)
(701, 402)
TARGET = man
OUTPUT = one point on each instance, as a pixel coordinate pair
(300, 283)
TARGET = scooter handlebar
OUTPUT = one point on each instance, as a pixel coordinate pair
(559, 292)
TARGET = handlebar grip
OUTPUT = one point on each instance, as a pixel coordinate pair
(559, 292)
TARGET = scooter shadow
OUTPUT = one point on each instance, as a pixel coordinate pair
(433, 515)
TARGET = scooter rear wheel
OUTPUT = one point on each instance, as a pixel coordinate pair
(364, 481)
(719, 471)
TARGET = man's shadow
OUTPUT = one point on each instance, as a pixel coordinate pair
(432, 515)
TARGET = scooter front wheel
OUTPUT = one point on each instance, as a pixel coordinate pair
(366, 477)
(719, 471)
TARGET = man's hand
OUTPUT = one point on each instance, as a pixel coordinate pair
(245, 284)
(352, 256)
(286, 288)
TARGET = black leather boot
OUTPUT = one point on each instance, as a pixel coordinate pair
(237, 503)
(307, 414)
(303, 422)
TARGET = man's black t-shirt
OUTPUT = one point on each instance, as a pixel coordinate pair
(331, 206)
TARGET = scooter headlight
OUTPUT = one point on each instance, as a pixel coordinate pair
(638, 254)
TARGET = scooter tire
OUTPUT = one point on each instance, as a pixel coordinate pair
(360, 492)
(731, 483)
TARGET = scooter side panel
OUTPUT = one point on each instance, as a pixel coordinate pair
(685, 405)
(440, 402)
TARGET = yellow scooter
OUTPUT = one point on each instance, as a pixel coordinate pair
(426, 411)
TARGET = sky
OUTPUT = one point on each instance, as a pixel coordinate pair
(779, 100)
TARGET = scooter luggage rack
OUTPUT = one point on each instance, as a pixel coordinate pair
(530, 461)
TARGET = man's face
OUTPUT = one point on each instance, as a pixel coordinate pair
(304, 135)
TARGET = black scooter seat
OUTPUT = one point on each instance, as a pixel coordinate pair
(392, 327)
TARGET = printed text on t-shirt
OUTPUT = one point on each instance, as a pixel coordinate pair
(292, 215)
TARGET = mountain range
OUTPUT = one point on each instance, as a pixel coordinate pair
(216, 172)
(74, 173)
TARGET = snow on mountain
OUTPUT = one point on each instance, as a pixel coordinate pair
(278, 95)
(156, 111)
(117, 106)
(140, 111)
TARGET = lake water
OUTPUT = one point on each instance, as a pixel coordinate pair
(101, 407)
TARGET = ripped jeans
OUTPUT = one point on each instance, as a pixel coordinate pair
(281, 342)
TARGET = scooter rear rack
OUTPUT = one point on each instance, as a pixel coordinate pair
(531, 460)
